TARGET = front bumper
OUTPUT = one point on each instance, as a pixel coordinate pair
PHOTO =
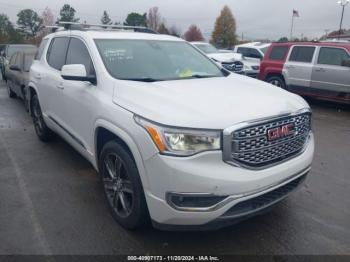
(206, 173)
(243, 210)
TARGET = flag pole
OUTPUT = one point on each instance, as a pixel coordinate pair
(291, 29)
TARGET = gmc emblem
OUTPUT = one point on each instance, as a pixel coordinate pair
(280, 132)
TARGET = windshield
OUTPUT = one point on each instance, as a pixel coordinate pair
(13, 49)
(206, 48)
(150, 60)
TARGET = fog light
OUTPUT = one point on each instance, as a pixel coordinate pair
(193, 202)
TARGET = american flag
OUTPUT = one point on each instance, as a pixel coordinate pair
(295, 13)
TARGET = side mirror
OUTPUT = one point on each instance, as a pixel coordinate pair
(346, 63)
(76, 73)
(15, 68)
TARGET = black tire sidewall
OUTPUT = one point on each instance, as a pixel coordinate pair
(139, 215)
(279, 79)
(45, 134)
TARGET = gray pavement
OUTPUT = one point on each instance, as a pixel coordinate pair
(51, 201)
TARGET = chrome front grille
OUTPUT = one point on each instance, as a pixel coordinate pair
(249, 145)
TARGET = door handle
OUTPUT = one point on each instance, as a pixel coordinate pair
(60, 86)
(290, 66)
(320, 70)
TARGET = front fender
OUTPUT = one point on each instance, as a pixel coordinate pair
(127, 139)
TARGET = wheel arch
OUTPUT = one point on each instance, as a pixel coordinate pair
(105, 131)
(32, 90)
(271, 74)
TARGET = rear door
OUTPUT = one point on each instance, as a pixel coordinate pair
(328, 73)
(298, 67)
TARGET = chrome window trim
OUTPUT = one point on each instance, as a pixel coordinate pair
(227, 139)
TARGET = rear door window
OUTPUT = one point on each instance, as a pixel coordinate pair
(278, 52)
(332, 56)
(302, 54)
(56, 54)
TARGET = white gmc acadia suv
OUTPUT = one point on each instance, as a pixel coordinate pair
(176, 140)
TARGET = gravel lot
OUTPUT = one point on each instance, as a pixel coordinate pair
(51, 201)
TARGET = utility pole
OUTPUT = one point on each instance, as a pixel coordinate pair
(342, 3)
(291, 29)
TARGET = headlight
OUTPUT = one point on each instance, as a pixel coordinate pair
(180, 141)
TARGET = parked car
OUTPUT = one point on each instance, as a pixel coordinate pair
(316, 69)
(255, 50)
(178, 139)
(17, 75)
(9, 50)
(231, 61)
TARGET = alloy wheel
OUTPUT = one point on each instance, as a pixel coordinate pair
(37, 117)
(276, 83)
(117, 185)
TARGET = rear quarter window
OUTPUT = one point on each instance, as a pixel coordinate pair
(39, 52)
(278, 52)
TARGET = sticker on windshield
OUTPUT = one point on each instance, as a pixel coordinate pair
(117, 54)
(186, 73)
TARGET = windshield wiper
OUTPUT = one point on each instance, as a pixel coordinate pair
(202, 76)
(142, 79)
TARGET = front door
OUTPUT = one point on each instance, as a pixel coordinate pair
(298, 68)
(79, 97)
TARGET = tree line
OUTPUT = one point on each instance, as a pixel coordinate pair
(31, 27)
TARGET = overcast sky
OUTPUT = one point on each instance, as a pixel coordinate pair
(255, 18)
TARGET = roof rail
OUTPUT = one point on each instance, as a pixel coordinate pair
(84, 27)
(53, 28)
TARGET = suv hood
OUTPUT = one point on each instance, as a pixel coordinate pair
(226, 57)
(212, 103)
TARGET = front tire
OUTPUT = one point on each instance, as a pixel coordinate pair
(122, 186)
(277, 81)
(41, 129)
